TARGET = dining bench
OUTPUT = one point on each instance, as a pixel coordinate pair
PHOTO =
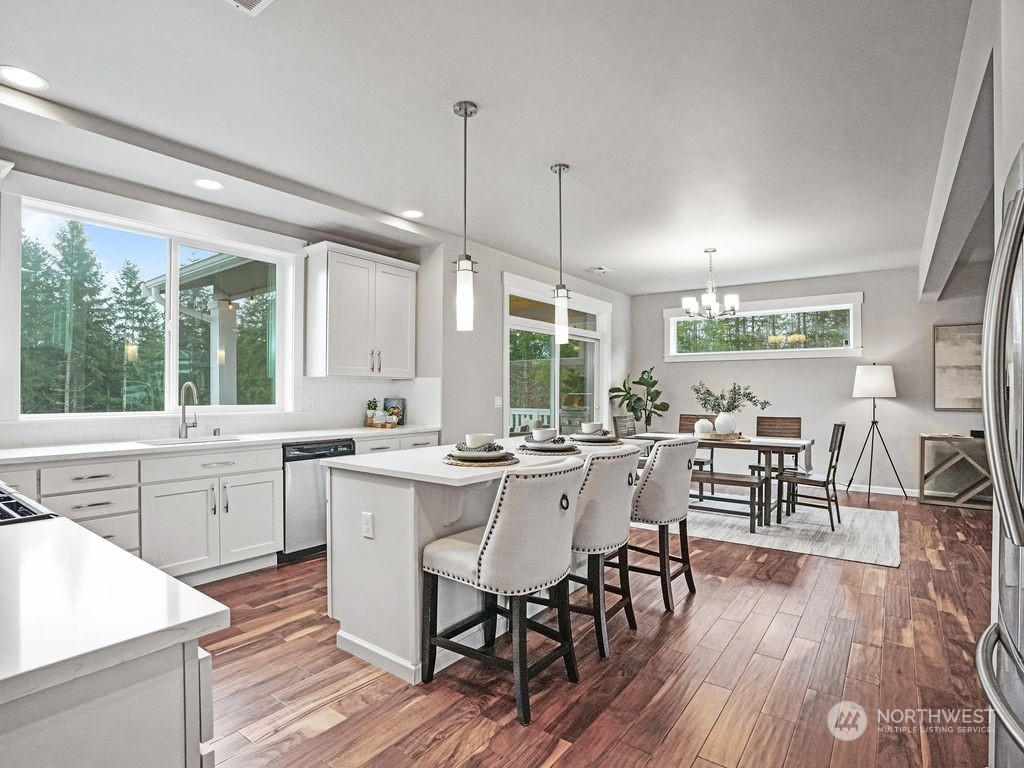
(755, 485)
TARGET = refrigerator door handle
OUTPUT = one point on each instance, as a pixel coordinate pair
(997, 314)
(984, 660)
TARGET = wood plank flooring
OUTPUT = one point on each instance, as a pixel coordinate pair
(740, 675)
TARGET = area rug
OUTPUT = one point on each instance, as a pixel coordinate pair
(865, 535)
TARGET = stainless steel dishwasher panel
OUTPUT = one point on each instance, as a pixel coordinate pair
(305, 495)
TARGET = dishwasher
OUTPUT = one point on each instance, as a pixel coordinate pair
(305, 495)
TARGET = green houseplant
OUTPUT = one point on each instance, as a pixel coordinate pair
(643, 405)
(725, 403)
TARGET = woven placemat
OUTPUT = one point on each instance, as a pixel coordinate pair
(506, 462)
(728, 437)
(570, 451)
(595, 442)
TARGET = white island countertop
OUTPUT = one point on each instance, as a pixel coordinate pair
(72, 604)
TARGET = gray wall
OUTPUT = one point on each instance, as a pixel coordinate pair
(897, 330)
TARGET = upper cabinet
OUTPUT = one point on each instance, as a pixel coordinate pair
(360, 313)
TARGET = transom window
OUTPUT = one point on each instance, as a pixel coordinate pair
(813, 326)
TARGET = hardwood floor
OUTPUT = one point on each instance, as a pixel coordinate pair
(742, 674)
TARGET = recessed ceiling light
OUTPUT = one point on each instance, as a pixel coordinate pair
(599, 270)
(208, 184)
(23, 78)
(412, 213)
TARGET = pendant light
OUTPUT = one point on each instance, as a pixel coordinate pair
(709, 308)
(464, 267)
(561, 293)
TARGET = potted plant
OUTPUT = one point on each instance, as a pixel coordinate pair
(371, 407)
(643, 405)
(726, 403)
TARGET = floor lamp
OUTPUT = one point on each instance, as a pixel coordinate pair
(874, 381)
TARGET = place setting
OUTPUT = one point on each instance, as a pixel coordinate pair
(479, 450)
(545, 441)
(594, 432)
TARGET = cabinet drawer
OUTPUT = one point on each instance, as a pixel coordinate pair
(84, 477)
(122, 530)
(82, 506)
(378, 445)
(419, 441)
(189, 465)
(21, 480)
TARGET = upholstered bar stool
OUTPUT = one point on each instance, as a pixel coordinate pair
(523, 548)
(662, 498)
(602, 527)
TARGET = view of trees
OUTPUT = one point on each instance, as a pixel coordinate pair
(813, 329)
(92, 347)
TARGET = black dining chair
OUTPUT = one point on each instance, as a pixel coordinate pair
(793, 479)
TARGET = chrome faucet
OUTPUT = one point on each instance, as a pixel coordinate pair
(185, 425)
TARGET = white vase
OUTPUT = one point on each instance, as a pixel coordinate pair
(703, 427)
(725, 423)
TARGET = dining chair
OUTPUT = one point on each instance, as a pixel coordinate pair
(777, 426)
(793, 479)
(524, 547)
(662, 498)
(705, 458)
(625, 426)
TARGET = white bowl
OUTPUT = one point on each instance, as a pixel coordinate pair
(479, 439)
(591, 427)
(544, 434)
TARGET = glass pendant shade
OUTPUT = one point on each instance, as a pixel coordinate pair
(464, 294)
(561, 314)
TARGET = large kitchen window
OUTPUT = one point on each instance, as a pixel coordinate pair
(815, 326)
(548, 383)
(115, 317)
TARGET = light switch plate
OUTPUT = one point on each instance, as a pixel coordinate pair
(367, 521)
(497, 401)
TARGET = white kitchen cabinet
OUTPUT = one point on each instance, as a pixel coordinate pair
(24, 481)
(418, 441)
(216, 518)
(378, 444)
(100, 496)
(360, 314)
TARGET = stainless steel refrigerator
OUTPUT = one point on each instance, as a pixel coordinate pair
(999, 655)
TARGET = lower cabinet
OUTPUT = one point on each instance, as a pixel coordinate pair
(191, 525)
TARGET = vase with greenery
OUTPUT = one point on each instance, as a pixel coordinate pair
(371, 407)
(643, 405)
(725, 403)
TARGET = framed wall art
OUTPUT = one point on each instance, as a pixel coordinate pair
(957, 350)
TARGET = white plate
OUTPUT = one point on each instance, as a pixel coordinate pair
(479, 455)
(553, 447)
(580, 437)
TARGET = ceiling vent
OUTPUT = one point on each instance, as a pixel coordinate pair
(251, 7)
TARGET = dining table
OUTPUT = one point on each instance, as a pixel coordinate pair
(773, 450)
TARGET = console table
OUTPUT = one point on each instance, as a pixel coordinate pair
(954, 471)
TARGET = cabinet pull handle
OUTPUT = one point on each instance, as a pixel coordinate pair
(93, 504)
(371, 361)
(378, 361)
(420, 445)
(109, 536)
(226, 510)
(218, 464)
(381, 448)
(213, 497)
(76, 478)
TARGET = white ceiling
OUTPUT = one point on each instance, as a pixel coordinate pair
(799, 137)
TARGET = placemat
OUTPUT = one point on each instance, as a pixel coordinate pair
(570, 452)
(595, 442)
(729, 437)
(506, 462)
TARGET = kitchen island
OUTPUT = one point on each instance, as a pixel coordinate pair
(99, 663)
(382, 510)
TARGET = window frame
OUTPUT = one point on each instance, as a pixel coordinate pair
(852, 301)
(180, 229)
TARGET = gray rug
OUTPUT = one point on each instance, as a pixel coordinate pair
(865, 535)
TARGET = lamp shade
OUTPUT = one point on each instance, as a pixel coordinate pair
(874, 381)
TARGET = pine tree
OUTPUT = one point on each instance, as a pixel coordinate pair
(139, 324)
(40, 348)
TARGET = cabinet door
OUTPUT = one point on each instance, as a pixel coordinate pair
(350, 311)
(179, 525)
(252, 515)
(396, 321)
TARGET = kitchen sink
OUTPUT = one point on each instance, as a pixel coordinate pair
(189, 440)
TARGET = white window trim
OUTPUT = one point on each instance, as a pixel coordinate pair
(851, 301)
(179, 227)
(602, 310)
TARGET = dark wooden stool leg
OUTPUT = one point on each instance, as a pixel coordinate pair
(428, 628)
(491, 623)
(684, 552)
(561, 595)
(665, 566)
(627, 595)
(520, 668)
(753, 508)
(595, 572)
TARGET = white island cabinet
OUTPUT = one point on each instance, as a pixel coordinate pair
(99, 663)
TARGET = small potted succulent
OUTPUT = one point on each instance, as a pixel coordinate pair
(371, 408)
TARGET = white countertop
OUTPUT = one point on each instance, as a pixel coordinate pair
(72, 604)
(426, 465)
(88, 451)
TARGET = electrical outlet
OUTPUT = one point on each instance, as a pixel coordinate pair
(367, 520)
(497, 401)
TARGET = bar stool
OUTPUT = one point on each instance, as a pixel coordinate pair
(602, 527)
(661, 498)
(523, 548)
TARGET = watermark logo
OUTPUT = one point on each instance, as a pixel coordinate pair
(847, 720)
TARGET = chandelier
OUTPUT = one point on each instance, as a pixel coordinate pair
(709, 307)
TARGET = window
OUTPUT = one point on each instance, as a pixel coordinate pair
(816, 326)
(115, 317)
(548, 383)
